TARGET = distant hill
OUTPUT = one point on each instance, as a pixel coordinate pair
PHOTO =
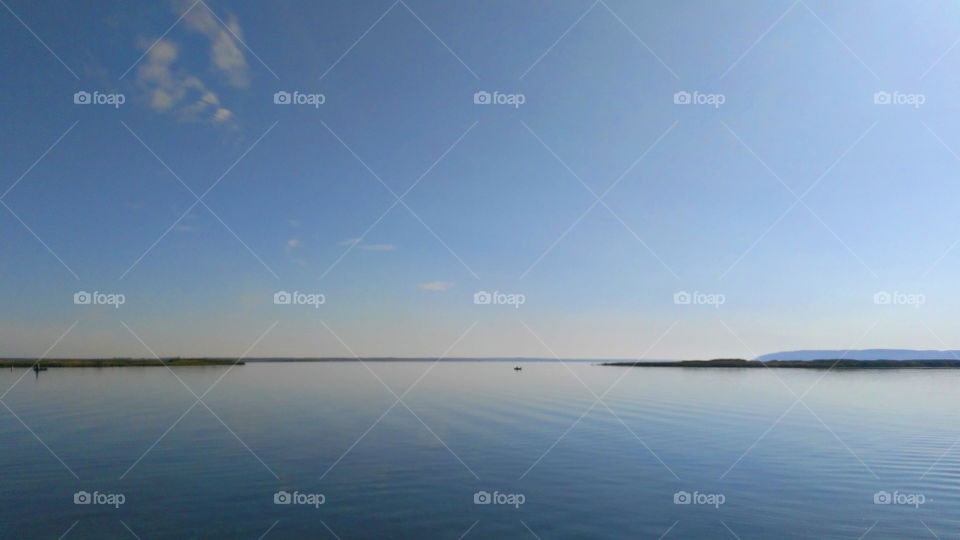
(736, 363)
(861, 355)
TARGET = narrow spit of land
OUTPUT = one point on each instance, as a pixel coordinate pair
(798, 364)
(118, 362)
(222, 361)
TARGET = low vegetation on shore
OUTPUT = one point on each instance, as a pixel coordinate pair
(120, 362)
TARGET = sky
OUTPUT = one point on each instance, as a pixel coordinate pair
(581, 179)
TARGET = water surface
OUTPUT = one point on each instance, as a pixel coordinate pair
(585, 468)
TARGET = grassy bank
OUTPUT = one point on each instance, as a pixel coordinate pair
(120, 362)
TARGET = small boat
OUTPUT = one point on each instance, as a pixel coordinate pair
(517, 368)
(38, 368)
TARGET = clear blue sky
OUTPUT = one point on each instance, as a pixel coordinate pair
(498, 192)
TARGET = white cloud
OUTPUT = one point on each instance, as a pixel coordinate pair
(169, 88)
(225, 53)
(435, 285)
(222, 115)
(175, 91)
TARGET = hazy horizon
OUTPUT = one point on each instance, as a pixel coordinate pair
(800, 354)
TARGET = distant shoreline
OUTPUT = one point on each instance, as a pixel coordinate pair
(216, 361)
(118, 362)
(722, 363)
(797, 364)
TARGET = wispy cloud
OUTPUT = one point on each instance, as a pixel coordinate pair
(435, 285)
(170, 88)
(292, 244)
(225, 53)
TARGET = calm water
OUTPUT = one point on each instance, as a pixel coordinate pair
(295, 427)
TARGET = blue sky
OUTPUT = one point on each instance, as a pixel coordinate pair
(702, 198)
